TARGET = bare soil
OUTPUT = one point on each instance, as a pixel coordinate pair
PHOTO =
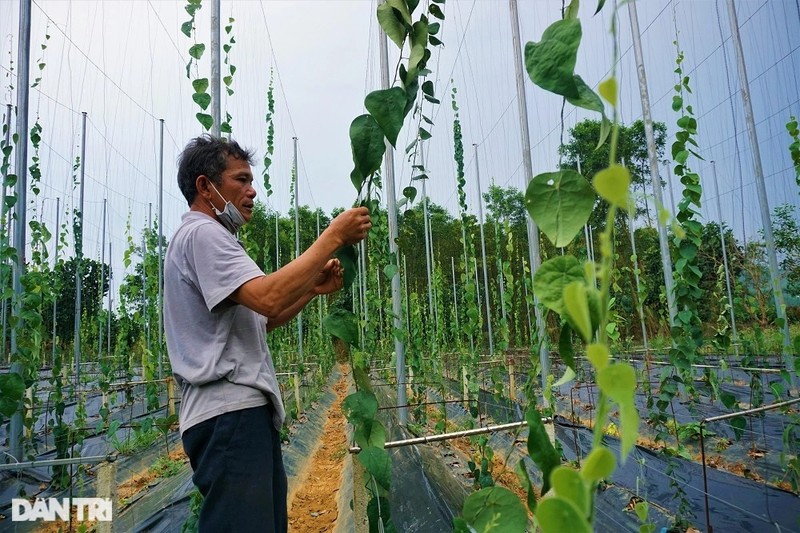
(312, 504)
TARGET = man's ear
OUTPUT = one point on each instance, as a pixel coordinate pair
(202, 186)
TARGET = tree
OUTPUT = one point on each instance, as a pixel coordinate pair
(787, 244)
(632, 149)
(93, 289)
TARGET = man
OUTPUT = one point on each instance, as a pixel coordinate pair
(218, 306)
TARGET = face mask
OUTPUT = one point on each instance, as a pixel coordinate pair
(230, 217)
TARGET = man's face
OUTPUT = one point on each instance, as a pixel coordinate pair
(237, 186)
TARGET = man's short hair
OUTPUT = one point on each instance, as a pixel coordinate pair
(207, 156)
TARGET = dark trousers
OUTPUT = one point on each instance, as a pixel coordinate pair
(238, 467)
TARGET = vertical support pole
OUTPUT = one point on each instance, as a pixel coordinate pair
(761, 189)
(29, 411)
(79, 257)
(640, 305)
(455, 299)
(216, 67)
(277, 244)
(512, 381)
(405, 291)
(725, 262)
(55, 264)
(391, 206)
(110, 298)
(483, 254)
(106, 488)
(297, 244)
(170, 396)
(298, 401)
(6, 224)
(102, 277)
(464, 387)
(666, 260)
(428, 259)
(533, 231)
(161, 248)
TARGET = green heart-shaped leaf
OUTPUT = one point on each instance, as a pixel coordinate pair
(560, 203)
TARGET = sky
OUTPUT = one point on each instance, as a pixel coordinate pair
(123, 63)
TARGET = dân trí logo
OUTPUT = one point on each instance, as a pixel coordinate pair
(50, 509)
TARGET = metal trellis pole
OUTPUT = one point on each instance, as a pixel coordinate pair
(297, 243)
(725, 263)
(666, 260)
(21, 166)
(79, 256)
(763, 202)
(161, 251)
(483, 253)
(533, 231)
(391, 206)
(216, 102)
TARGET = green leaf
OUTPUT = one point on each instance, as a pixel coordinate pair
(390, 270)
(424, 134)
(410, 193)
(393, 17)
(598, 355)
(555, 513)
(577, 308)
(677, 103)
(196, 50)
(434, 41)
(565, 349)
(436, 11)
(495, 509)
(370, 433)
(598, 465)
(587, 98)
(540, 448)
(200, 85)
(600, 4)
(206, 120)
(618, 382)
(433, 29)
(342, 324)
(568, 376)
(202, 99)
(527, 486)
(419, 42)
(427, 88)
(612, 185)
(360, 407)
(379, 511)
(551, 278)
(551, 62)
(186, 28)
(609, 90)
(572, 10)
(386, 107)
(377, 462)
(569, 485)
(367, 144)
(560, 203)
(348, 257)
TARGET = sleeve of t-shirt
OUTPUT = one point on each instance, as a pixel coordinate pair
(220, 262)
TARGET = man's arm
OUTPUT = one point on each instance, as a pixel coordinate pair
(274, 295)
(328, 280)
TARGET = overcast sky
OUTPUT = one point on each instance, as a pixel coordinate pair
(123, 63)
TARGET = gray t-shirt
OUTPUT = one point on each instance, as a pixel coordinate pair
(218, 349)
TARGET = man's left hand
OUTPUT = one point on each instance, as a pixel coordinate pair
(329, 279)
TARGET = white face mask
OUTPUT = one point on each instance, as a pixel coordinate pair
(230, 217)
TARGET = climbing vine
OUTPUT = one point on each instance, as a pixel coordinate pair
(200, 85)
(794, 147)
(270, 120)
(561, 203)
(225, 127)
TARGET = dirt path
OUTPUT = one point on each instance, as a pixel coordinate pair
(312, 506)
